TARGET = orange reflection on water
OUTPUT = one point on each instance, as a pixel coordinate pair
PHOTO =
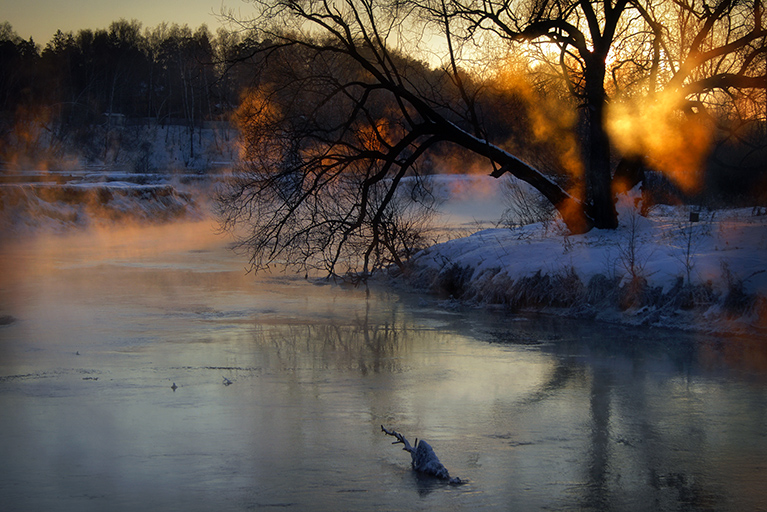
(741, 353)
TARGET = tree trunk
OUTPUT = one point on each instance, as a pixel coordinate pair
(598, 198)
(571, 208)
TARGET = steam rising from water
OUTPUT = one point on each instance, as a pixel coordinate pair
(31, 201)
(674, 143)
(551, 119)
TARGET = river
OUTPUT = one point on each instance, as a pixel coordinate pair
(142, 369)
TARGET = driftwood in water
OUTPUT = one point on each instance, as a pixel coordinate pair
(422, 456)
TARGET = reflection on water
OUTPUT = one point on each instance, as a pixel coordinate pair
(535, 413)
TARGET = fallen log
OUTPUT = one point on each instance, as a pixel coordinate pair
(423, 458)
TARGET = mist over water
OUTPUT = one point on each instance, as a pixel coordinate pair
(282, 385)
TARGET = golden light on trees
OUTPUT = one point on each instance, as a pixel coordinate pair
(591, 89)
(656, 129)
(551, 118)
(255, 119)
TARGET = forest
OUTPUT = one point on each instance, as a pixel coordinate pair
(69, 93)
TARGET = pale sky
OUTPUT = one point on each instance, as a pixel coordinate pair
(41, 18)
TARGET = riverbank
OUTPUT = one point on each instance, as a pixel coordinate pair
(704, 272)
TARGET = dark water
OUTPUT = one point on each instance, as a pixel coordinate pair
(538, 414)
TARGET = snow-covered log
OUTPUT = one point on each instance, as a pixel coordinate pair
(423, 458)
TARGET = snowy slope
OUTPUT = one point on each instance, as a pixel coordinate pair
(659, 270)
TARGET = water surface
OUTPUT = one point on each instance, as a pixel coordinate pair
(282, 385)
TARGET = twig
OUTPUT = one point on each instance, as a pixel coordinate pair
(400, 439)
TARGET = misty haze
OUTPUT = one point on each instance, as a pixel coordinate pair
(523, 242)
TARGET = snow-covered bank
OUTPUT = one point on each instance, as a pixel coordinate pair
(30, 208)
(662, 270)
(32, 201)
(139, 173)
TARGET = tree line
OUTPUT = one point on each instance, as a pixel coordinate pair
(168, 74)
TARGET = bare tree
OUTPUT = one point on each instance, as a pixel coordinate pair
(607, 51)
(358, 115)
(318, 190)
(336, 129)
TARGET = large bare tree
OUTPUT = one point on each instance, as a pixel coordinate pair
(346, 114)
(688, 51)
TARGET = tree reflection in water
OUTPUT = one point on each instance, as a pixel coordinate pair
(547, 412)
(358, 343)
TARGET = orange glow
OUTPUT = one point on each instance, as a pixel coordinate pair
(101, 245)
(461, 162)
(52, 207)
(375, 136)
(675, 144)
(739, 352)
(26, 146)
(572, 210)
(620, 186)
(552, 120)
(255, 118)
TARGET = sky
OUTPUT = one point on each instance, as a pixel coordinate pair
(40, 19)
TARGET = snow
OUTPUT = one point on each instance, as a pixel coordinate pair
(38, 207)
(725, 250)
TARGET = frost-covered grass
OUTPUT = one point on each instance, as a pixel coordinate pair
(662, 269)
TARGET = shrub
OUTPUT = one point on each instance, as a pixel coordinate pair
(453, 281)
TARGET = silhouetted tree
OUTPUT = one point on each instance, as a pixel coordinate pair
(18, 60)
(687, 56)
(381, 115)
